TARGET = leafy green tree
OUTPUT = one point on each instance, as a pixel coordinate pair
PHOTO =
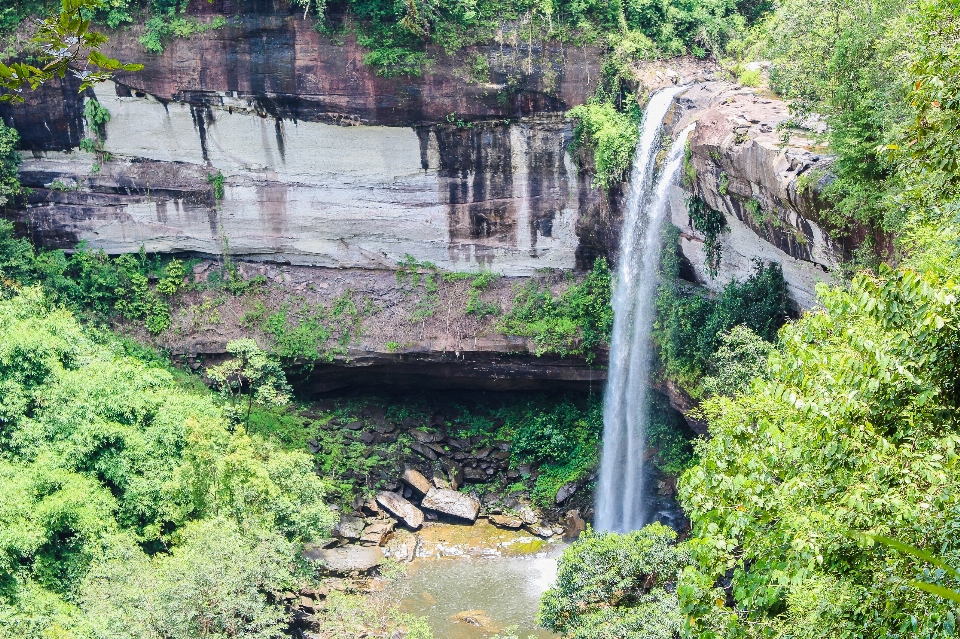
(689, 324)
(66, 45)
(843, 61)
(215, 583)
(104, 453)
(10, 159)
(855, 429)
(741, 358)
(613, 586)
(252, 371)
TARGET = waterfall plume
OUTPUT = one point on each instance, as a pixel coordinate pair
(620, 506)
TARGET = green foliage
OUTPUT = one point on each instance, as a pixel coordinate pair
(97, 117)
(562, 442)
(741, 358)
(853, 429)
(216, 181)
(667, 433)
(253, 371)
(307, 332)
(475, 304)
(611, 135)
(612, 586)
(111, 287)
(575, 322)
(169, 22)
(711, 223)
(844, 61)
(10, 159)
(689, 325)
(213, 583)
(64, 42)
(124, 490)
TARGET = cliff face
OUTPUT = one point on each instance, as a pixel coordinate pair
(328, 166)
(764, 183)
(324, 162)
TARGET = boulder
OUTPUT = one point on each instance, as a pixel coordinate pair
(348, 527)
(350, 558)
(506, 521)
(566, 491)
(401, 509)
(403, 546)
(370, 507)
(426, 438)
(377, 533)
(424, 450)
(440, 480)
(477, 618)
(474, 474)
(415, 479)
(450, 502)
(540, 531)
(311, 550)
(454, 472)
(529, 515)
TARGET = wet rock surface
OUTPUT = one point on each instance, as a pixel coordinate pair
(399, 507)
(451, 502)
(349, 559)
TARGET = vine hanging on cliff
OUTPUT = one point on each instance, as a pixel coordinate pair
(711, 223)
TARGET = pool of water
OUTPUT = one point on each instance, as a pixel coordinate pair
(477, 594)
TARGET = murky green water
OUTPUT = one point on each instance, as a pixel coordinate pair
(495, 592)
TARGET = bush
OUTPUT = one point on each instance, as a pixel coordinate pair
(613, 586)
(741, 358)
(10, 159)
(611, 135)
(104, 452)
(854, 430)
(576, 322)
(689, 325)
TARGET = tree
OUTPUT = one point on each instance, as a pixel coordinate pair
(65, 44)
(855, 428)
(214, 584)
(741, 358)
(613, 586)
(253, 371)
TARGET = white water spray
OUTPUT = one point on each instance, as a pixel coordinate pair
(620, 506)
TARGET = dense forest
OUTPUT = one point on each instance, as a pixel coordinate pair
(137, 501)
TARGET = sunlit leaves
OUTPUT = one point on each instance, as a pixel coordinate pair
(66, 45)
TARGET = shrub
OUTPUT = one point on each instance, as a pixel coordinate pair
(575, 322)
(613, 586)
(689, 324)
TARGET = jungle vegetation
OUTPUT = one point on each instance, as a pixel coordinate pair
(844, 429)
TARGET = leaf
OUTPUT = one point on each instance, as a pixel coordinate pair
(916, 552)
(934, 589)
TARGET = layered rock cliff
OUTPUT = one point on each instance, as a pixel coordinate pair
(326, 165)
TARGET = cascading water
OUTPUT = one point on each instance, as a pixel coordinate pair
(620, 505)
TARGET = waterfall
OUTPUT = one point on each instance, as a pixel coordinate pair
(620, 505)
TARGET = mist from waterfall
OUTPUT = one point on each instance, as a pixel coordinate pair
(620, 506)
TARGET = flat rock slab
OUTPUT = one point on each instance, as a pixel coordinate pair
(349, 558)
(506, 521)
(400, 508)
(415, 479)
(450, 502)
